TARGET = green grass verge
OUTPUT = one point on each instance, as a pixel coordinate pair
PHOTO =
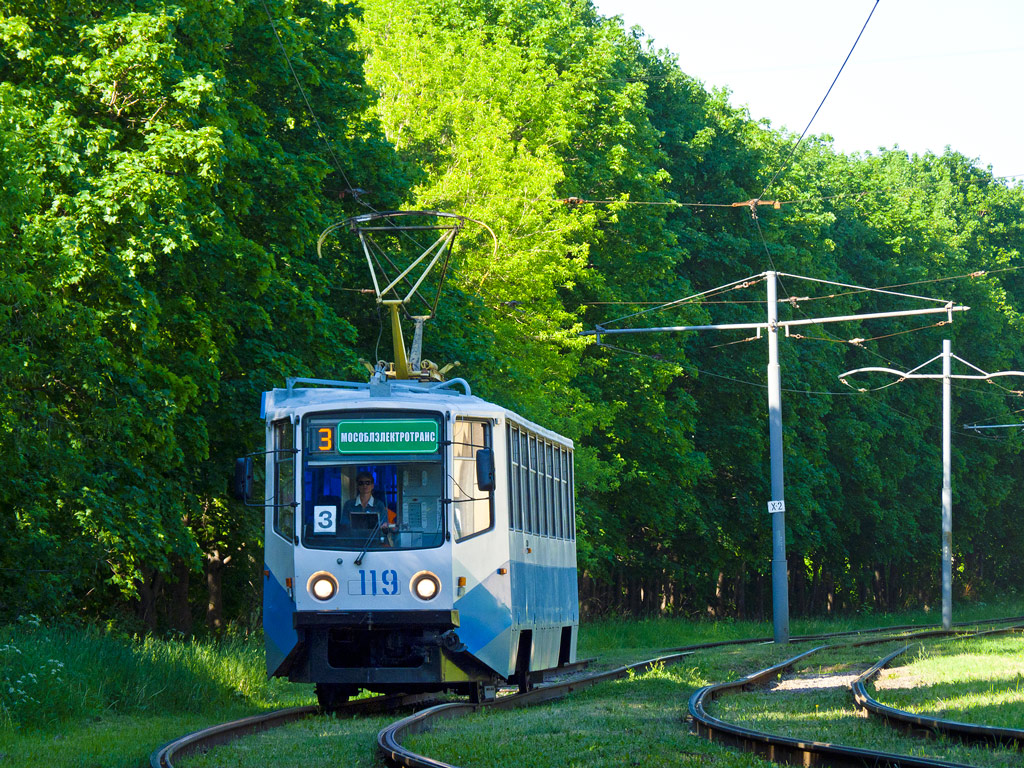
(319, 742)
(635, 721)
(49, 676)
(121, 696)
(815, 704)
(972, 681)
(103, 741)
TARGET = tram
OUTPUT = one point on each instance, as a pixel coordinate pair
(417, 538)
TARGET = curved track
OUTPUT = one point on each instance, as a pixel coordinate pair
(795, 751)
(213, 736)
(784, 749)
(931, 726)
(389, 739)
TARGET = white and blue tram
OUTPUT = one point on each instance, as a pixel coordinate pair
(463, 577)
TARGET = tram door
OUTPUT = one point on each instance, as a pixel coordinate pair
(280, 537)
(483, 598)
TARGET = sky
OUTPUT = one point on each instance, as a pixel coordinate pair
(926, 74)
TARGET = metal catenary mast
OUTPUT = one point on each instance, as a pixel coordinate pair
(777, 504)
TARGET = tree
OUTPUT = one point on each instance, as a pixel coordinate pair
(174, 186)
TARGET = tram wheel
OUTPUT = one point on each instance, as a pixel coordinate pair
(330, 696)
(522, 680)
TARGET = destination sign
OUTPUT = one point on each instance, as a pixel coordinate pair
(387, 436)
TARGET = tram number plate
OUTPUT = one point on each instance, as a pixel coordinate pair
(374, 583)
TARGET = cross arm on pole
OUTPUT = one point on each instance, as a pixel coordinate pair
(780, 591)
(947, 488)
(982, 376)
(948, 309)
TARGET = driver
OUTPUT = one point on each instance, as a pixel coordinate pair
(365, 503)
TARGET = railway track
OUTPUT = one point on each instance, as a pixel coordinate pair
(202, 740)
(776, 748)
(389, 740)
(199, 741)
(795, 751)
(970, 733)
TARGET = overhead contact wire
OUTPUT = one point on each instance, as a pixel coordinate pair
(745, 282)
(794, 300)
(322, 133)
(792, 152)
(309, 107)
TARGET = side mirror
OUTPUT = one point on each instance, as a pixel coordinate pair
(485, 469)
(242, 486)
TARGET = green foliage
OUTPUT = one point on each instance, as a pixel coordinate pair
(163, 186)
(98, 672)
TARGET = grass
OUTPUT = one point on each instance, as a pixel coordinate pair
(979, 681)
(636, 721)
(110, 741)
(53, 675)
(308, 743)
(62, 687)
(807, 707)
(121, 696)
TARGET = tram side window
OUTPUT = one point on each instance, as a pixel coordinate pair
(474, 509)
(570, 496)
(524, 481)
(537, 512)
(560, 530)
(284, 478)
(540, 486)
(515, 517)
(542, 502)
(549, 491)
(563, 494)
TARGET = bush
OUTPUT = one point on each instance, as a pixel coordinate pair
(54, 674)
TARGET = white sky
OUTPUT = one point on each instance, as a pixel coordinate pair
(925, 74)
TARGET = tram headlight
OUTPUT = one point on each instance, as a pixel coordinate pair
(425, 585)
(322, 585)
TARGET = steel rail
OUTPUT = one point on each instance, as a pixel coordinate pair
(215, 735)
(785, 749)
(921, 631)
(389, 740)
(970, 733)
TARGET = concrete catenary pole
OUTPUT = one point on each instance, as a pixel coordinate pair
(947, 490)
(777, 503)
(780, 580)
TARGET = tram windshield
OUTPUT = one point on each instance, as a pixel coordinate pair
(354, 500)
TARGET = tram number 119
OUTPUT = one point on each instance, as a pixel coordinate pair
(372, 583)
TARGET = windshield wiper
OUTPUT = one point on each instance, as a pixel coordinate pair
(370, 539)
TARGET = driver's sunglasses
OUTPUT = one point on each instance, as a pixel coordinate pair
(365, 482)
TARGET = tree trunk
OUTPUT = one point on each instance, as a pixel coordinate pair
(741, 592)
(178, 611)
(213, 568)
(719, 608)
(150, 590)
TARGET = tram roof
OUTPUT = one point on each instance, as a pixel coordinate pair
(395, 395)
